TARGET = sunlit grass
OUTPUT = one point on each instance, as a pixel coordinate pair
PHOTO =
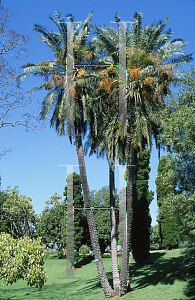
(161, 278)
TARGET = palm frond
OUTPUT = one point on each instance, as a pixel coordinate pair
(47, 103)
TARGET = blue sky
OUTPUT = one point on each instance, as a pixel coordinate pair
(33, 164)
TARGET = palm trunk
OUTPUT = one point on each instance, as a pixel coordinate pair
(115, 273)
(131, 193)
(90, 220)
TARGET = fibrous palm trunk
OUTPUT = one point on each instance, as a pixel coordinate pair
(115, 273)
(131, 194)
(90, 220)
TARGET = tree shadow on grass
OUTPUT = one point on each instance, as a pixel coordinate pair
(52, 291)
(157, 270)
(94, 283)
(190, 289)
(84, 261)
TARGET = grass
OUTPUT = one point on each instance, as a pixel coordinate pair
(161, 278)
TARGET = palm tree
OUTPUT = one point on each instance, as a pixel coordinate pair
(151, 62)
(55, 75)
(105, 101)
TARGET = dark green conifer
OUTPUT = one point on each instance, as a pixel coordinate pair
(81, 232)
(140, 238)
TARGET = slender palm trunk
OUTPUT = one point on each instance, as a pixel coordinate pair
(131, 194)
(90, 220)
(115, 273)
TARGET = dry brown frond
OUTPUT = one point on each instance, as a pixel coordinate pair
(135, 73)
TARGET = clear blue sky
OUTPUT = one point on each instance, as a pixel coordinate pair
(33, 164)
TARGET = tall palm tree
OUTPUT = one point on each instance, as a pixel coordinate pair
(55, 75)
(151, 62)
(105, 100)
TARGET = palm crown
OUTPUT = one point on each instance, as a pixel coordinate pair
(150, 69)
(55, 72)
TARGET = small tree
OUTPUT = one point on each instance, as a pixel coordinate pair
(22, 259)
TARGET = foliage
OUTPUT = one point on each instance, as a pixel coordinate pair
(140, 235)
(4, 224)
(154, 239)
(166, 180)
(165, 186)
(84, 250)
(58, 254)
(51, 222)
(169, 230)
(182, 207)
(22, 259)
(178, 129)
(17, 214)
(101, 201)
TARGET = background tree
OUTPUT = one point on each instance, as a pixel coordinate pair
(101, 201)
(154, 238)
(178, 134)
(17, 213)
(4, 224)
(12, 97)
(178, 131)
(140, 236)
(51, 223)
(166, 185)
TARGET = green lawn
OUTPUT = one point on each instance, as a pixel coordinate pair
(161, 279)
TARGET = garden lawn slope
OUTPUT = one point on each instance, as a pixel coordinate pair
(160, 278)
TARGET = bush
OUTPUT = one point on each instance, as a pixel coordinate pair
(84, 250)
(154, 246)
(58, 254)
(22, 259)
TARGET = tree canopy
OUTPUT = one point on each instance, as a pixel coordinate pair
(17, 214)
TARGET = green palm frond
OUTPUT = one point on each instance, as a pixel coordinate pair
(48, 103)
(59, 113)
(106, 43)
(82, 33)
(49, 38)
